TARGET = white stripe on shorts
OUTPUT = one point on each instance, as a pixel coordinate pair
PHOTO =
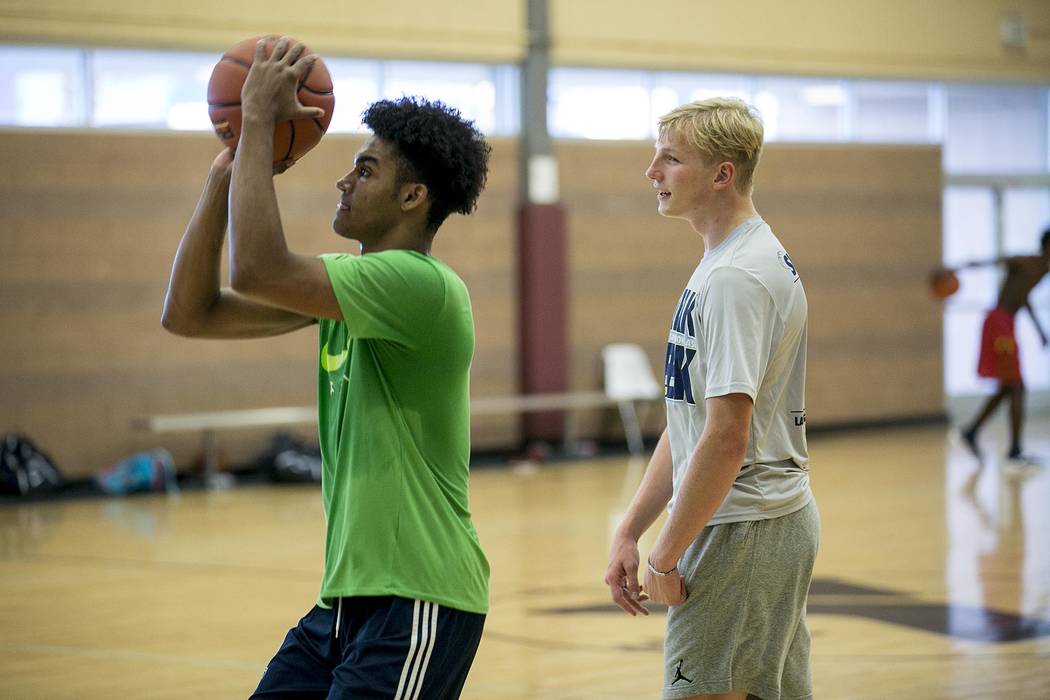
(421, 645)
(430, 648)
(338, 615)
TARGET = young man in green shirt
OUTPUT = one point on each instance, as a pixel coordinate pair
(405, 587)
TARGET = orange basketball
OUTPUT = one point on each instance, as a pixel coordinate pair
(943, 283)
(291, 139)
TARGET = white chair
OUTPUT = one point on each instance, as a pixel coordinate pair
(629, 378)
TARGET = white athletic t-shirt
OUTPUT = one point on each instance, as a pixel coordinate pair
(740, 327)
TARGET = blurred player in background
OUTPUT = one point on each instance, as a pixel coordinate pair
(1000, 358)
(735, 556)
(405, 586)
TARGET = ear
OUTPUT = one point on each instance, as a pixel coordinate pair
(412, 195)
(724, 175)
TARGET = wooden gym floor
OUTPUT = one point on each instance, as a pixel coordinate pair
(933, 581)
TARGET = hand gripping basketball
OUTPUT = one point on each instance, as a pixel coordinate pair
(293, 135)
(270, 90)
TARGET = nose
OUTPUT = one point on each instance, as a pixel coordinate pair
(343, 183)
(651, 171)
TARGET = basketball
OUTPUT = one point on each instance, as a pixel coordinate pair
(943, 283)
(291, 139)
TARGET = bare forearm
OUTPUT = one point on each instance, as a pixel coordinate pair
(984, 263)
(712, 469)
(196, 306)
(194, 284)
(257, 240)
(653, 493)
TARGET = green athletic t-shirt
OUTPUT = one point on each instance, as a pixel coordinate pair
(394, 420)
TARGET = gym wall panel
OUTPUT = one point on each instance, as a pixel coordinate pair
(862, 223)
(467, 29)
(938, 39)
(91, 221)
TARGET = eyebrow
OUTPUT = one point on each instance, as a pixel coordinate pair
(364, 158)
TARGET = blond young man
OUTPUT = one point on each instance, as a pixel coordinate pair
(735, 556)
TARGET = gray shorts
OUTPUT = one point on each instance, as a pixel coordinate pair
(743, 626)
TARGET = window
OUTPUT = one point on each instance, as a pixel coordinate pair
(969, 236)
(151, 89)
(356, 85)
(896, 112)
(802, 109)
(994, 129)
(41, 86)
(470, 88)
(673, 89)
(599, 104)
(1026, 214)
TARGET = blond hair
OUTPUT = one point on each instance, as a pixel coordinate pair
(721, 129)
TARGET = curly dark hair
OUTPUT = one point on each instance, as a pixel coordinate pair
(438, 148)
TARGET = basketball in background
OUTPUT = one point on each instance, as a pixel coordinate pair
(943, 283)
(291, 139)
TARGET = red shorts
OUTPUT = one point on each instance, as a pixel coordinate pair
(999, 358)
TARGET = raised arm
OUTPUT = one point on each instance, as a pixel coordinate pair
(196, 305)
(261, 265)
(1003, 260)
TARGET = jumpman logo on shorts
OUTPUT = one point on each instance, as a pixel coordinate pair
(678, 674)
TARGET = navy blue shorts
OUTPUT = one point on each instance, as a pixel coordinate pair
(381, 647)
